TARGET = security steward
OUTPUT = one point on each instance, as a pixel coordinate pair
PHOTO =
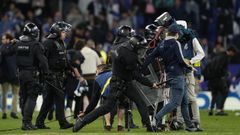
(30, 57)
(57, 60)
(124, 70)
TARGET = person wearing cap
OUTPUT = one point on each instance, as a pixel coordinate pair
(55, 51)
(193, 52)
(169, 50)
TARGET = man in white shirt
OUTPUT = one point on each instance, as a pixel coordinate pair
(89, 67)
(193, 53)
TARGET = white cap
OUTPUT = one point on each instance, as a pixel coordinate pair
(183, 23)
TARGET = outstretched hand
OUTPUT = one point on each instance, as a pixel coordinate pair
(81, 114)
(155, 86)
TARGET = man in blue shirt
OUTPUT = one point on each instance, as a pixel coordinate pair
(171, 53)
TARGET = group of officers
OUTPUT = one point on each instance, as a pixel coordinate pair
(169, 43)
(166, 42)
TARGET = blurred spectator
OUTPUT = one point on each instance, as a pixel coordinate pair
(6, 25)
(219, 45)
(216, 72)
(192, 9)
(9, 77)
(138, 14)
(149, 12)
(179, 10)
(89, 67)
(95, 8)
(46, 27)
(108, 43)
(74, 17)
(99, 28)
(125, 19)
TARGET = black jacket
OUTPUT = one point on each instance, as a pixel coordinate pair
(55, 52)
(8, 67)
(125, 65)
(171, 53)
(217, 67)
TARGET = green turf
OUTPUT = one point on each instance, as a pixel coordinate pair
(212, 125)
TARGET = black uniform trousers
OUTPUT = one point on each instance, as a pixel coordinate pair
(219, 91)
(54, 95)
(28, 94)
(112, 99)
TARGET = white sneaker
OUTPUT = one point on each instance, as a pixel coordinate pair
(68, 114)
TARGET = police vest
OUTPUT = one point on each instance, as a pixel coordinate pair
(58, 58)
(25, 54)
(103, 81)
(188, 53)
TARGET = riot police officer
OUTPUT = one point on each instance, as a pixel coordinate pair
(124, 70)
(124, 33)
(30, 56)
(56, 54)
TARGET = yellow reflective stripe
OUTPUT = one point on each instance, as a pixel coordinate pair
(105, 85)
(197, 64)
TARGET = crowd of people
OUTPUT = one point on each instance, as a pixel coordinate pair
(42, 54)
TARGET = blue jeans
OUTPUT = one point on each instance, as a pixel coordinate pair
(178, 97)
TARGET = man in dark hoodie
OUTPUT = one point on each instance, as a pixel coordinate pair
(9, 76)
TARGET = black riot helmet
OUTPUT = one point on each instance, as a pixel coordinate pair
(164, 19)
(59, 27)
(139, 44)
(31, 30)
(150, 31)
(125, 31)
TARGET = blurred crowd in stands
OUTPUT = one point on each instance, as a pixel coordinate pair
(216, 21)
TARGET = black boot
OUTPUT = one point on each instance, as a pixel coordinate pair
(28, 126)
(42, 126)
(197, 125)
(78, 125)
(152, 129)
(14, 115)
(65, 125)
(129, 120)
(4, 116)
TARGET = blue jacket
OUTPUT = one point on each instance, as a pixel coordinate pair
(171, 53)
(102, 81)
(100, 84)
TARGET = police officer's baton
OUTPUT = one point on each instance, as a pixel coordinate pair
(56, 88)
(161, 83)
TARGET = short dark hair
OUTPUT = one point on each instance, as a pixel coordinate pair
(171, 33)
(233, 49)
(79, 45)
(8, 36)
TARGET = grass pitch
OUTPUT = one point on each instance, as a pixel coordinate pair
(212, 125)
